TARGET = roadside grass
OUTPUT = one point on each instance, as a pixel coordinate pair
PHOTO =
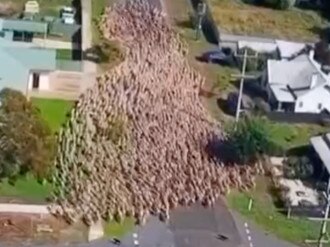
(115, 229)
(25, 188)
(236, 17)
(265, 214)
(53, 111)
(47, 7)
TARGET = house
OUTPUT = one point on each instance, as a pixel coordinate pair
(26, 69)
(298, 85)
(47, 32)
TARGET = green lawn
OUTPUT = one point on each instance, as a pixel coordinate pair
(294, 135)
(26, 187)
(115, 229)
(54, 111)
(98, 7)
(265, 214)
(64, 54)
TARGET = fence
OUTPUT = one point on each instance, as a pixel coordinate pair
(291, 117)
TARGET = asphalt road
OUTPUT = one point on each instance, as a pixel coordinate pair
(254, 236)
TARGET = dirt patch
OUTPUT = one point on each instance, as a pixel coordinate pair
(8, 8)
(17, 229)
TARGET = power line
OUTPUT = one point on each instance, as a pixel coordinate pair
(242, 76)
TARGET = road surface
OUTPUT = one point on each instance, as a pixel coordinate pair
(254, 236)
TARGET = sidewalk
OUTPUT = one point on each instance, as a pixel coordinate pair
(23, 208)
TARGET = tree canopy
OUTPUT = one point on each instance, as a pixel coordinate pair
(26, 142)
(250, 138)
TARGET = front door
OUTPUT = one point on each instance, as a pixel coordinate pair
(35, 80)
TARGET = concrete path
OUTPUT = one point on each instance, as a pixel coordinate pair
(23, 208)
(86, 23)
(89, 68)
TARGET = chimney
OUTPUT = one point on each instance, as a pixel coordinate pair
(313, 81)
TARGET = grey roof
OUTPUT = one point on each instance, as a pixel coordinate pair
(17, 62)
(289, 48)
(321, 145)
(290, 79)
(24, 26)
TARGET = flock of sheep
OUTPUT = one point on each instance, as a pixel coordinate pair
(136, 142)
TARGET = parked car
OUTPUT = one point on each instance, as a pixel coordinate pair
(68, 15)
(220, 56)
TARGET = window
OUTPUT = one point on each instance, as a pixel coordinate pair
(319, 106)
(301, 104)
(2, 34)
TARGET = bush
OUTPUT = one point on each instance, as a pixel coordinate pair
(250, 138)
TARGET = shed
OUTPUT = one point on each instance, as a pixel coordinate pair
(17, 62)
(25, 26)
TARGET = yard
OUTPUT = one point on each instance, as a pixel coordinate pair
(265, 214)
(294, 135)
(233, 16)
(53, 111)
(25, 188)
(47, 7)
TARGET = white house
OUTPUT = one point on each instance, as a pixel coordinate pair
(297, 85)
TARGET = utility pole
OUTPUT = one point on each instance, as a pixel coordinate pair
(323, 231)
(242, 76)
(201, 10)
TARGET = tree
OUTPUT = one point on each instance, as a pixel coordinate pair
(26, 142)
(250, 138)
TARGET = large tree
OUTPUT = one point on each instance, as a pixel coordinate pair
(26, 142)
(250, 138)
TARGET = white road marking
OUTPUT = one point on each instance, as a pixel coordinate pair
(135, 235)
(136, 242)
(247, 230)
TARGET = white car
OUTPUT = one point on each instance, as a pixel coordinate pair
(68, 15)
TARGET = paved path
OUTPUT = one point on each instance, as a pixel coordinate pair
(23, 208)
(89, 68)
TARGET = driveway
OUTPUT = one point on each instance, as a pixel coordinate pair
(89, 68)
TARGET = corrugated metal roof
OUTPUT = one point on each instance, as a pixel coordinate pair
(25, 26)
(258, 46)
(321, 145)
(287, 48)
